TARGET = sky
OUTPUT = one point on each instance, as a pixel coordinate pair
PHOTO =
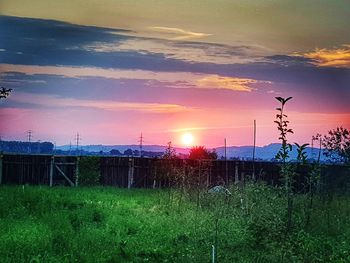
(113, 69)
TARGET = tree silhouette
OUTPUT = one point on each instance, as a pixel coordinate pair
(337, 145)
(201, 153)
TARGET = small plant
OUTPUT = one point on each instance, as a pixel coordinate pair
(282, 126)
(301, 150)
(287, 169)
(4, 93)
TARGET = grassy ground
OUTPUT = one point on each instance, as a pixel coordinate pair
(97, 224)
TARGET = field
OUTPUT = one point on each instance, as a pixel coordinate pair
(99, 224)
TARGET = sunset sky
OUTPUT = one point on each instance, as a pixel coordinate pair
(112, 69)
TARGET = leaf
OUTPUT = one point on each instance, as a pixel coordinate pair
(287, 99)
(280, 99)
(305, 145)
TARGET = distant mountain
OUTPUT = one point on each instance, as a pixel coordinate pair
(266, 152)
(121, 148)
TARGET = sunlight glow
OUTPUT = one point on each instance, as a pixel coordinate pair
(187, 139)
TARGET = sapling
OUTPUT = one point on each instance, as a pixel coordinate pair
(287, 170)
(4, 92)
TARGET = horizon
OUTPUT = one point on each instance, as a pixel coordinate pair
(112, 70)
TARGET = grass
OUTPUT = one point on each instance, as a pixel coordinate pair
(105, 224)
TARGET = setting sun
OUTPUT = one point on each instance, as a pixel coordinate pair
(187, 139)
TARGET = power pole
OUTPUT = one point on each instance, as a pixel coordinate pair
(29, 136)
(77, 139)
(254, 150)
(141, 144)
(39, 148)
(226, 165)
(70, 147)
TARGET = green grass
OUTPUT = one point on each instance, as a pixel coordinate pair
(99, 224)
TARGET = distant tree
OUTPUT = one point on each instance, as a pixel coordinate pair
(170, 152)
(128, 152)
(201, 153)
(336, 145)
(115, 152)
(4, 93)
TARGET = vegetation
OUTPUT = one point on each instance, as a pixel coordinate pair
(41, 224)
(337, 145)
(245, 222)
(4, 93)
(201, 153)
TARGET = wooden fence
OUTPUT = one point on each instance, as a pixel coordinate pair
(145, 172)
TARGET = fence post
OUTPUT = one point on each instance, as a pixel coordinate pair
(236, 173)
(77, 171)
(1, 168)
(51, 169)
(131, 173)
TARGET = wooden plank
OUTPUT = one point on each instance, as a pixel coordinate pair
(65, 176)
(77, 172)
(51, 170)
(131, 173)
(236, 173)
(0, 168)
(66, 163)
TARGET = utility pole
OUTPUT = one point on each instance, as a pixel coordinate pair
(77, 139)
(29, 136)
(254, 150)
(226, 165)
(39, 146)
(70, 147)
(141, 144)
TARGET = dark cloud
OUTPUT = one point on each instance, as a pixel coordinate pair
(307, 98)
(48, 42)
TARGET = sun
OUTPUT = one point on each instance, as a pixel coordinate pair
(187, 139)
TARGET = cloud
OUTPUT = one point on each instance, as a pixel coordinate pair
(219, 82)
(168, 79)
(338, 57)
(58, 44)
(43, 100)
(181, 34)
(185, 51)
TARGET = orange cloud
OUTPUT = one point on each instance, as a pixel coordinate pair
(194, 80)
(181, 33)
(54, 101)
(219, 82)
(339, 57)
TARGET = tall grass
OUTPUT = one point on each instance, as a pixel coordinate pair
(96, 224)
